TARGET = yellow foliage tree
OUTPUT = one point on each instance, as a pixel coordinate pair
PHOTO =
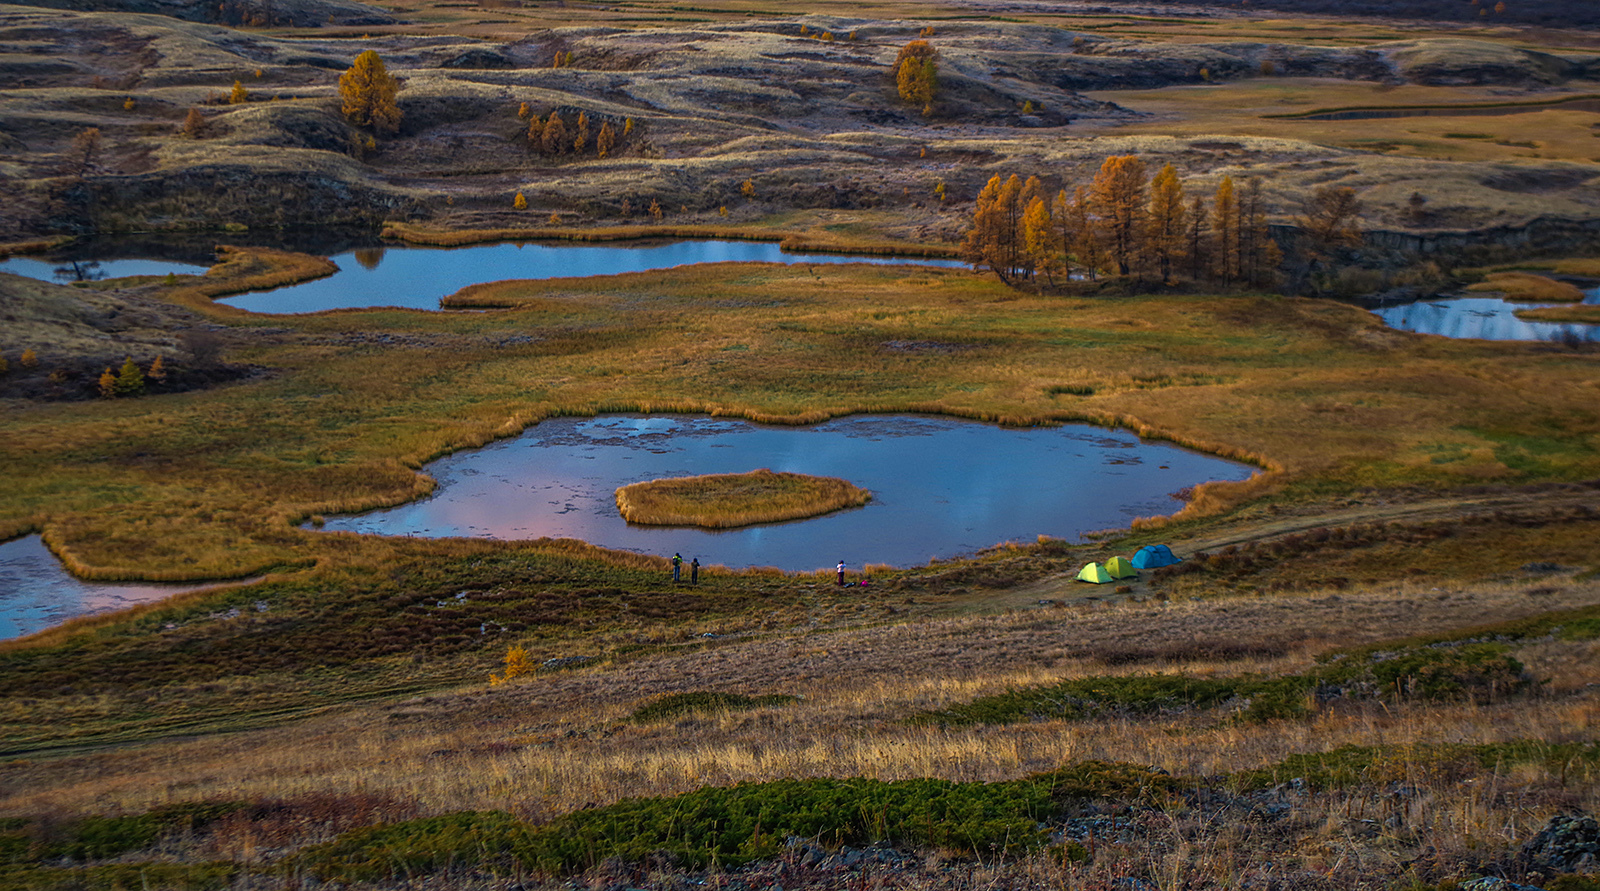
(916, 72)
(1164, 224)
(655, 210)
(605, 140)
(194, 124)
(157, 370)
(517, 664)
(580, 134)
(29, 359)
(108, 384)
(1118, 195)
(748, 190)
(519, 202)
(367, 92)
(240, 95)
(1225, 222)
(554, 140)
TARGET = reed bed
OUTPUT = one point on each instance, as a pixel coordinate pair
(1582, 314)
(1526, 287)
(730, 500)
(788, 240)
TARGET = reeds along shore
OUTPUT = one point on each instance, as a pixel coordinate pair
(789, 241)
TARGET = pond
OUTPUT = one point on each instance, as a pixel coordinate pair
(416, 277)
(36, 592)
(1486, 318)
(941, 487)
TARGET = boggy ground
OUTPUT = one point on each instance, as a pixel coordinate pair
(810, 122)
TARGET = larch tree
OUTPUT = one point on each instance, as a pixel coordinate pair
(606, 140)
(1197, 239)
(580, 134)
(1329, 221)
(1118, 193)
(995, 240)
(1039, 238)
(554, 139)
(367, 93)
(1259, 255)
(1164, 224)
(916, 73)
(1085, 235)
(1225, 222)
(536, 133)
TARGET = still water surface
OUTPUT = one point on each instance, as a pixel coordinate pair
(1486, 318)
(418, 277)
(36, 592)
(940, 487)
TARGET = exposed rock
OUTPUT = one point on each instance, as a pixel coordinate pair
(1568, 843)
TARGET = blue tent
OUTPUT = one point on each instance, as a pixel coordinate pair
(1153, 556)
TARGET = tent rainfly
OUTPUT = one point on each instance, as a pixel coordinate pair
(1094, 572)
(1153, 557)
(1120, 568)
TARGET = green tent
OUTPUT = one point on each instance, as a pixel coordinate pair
(1094, 572)
(1120, 568)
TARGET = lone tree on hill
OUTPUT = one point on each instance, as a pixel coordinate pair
(916, 73)
(368, 94)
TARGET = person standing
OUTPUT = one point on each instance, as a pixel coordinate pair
(694, 571)
(677, 567)
(841, 573)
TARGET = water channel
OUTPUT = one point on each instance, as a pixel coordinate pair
(941, 487)
(372, 273)
(1486, 318)
(36, 592)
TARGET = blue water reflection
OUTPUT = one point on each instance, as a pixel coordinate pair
(941, 487)
(1485, 318)
(67, 271)
(417, 277)
(36, 592)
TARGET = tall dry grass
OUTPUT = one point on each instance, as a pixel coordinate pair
(1526, 287)
(412, 233)
(729, 500)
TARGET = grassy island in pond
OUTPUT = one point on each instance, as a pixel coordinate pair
(726, 500)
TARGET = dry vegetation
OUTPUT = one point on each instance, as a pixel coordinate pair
(728, 500)
(1425, 512)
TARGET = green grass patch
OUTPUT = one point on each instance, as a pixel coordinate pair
(1437, 672)
(732, 825)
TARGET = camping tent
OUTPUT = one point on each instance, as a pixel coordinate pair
(1154, 556)
(1120, 568)
(1094, 572)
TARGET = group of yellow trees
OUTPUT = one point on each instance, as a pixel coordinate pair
(130, 381)
(1124, 223)
(552, 136)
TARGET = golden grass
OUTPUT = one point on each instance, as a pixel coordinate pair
(1578, 266)
(1321, 395)
(729, 500)
(32, 246)
(1526, 287)
(1582, 314)
(560, 741)
(789, 240)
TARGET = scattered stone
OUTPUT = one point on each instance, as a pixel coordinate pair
(1568, 843)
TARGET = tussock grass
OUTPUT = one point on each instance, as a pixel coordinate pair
(1582, 314)
(1525, 287)
(729, 500)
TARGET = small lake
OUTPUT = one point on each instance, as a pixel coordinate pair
(36, 592)
(1485, 318)
(941, 487)
(417, 277)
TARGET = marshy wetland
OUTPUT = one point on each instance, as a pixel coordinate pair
(1374, 669)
